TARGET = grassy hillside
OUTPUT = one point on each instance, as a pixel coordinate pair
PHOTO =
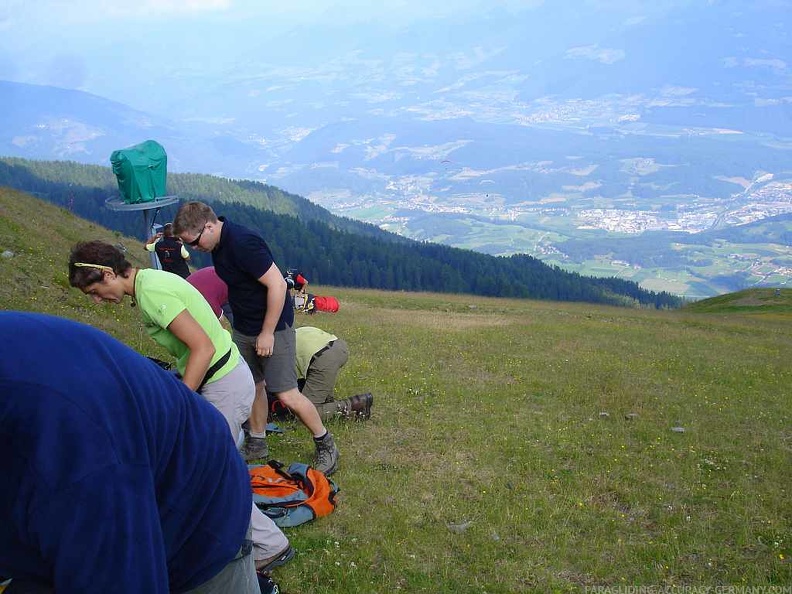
(750, 301)
(35, 239)
(516, 445)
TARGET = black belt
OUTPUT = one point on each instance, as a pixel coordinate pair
(322, 350)
(215, 368)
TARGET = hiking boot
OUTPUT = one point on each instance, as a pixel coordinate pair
(359, 407)
(255, 448)
(326, 455)
(264, 566)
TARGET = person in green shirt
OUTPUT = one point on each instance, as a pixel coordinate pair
(177, 317)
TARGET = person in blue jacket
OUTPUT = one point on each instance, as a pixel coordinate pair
(116, 476)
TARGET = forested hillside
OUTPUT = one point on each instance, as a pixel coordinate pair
(328, 249)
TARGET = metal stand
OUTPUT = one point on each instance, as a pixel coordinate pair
(116, 203)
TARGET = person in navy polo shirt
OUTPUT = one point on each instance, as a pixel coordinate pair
(263, 322)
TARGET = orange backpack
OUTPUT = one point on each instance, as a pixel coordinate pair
(292, 496)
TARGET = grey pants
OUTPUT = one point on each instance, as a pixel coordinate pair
(238, 577)
(233, 396)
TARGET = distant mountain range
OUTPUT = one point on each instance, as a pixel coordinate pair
(49, 123)
(525, 132)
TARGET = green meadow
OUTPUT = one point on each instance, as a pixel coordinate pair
(515, 445)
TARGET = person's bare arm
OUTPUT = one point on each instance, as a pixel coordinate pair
(276, 295)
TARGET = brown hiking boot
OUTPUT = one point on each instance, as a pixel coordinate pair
(326, 455)
(255, 448)
(360, 406)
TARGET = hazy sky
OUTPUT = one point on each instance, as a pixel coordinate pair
(45, 24)
(49, 12)
(77, 43)
(81, 43)
(126, 51)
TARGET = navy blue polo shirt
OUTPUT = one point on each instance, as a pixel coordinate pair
(241, 258)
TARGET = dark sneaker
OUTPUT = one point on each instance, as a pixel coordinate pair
(264, 566)
(326, 455)
(255, 448)
(266, 584)
(360, 406)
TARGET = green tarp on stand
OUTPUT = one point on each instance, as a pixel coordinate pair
(141, 171)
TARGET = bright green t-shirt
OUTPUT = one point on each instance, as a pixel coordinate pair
(161, 296)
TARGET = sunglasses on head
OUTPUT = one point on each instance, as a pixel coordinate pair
(99, 266)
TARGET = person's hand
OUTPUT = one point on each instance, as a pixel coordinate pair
(265, 344)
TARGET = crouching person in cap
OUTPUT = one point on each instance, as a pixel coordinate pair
(116, 476)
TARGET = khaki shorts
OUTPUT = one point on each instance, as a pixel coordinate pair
(279, 371)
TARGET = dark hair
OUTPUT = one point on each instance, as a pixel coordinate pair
(100, 254)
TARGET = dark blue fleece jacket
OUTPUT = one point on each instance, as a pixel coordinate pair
(114, 477)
